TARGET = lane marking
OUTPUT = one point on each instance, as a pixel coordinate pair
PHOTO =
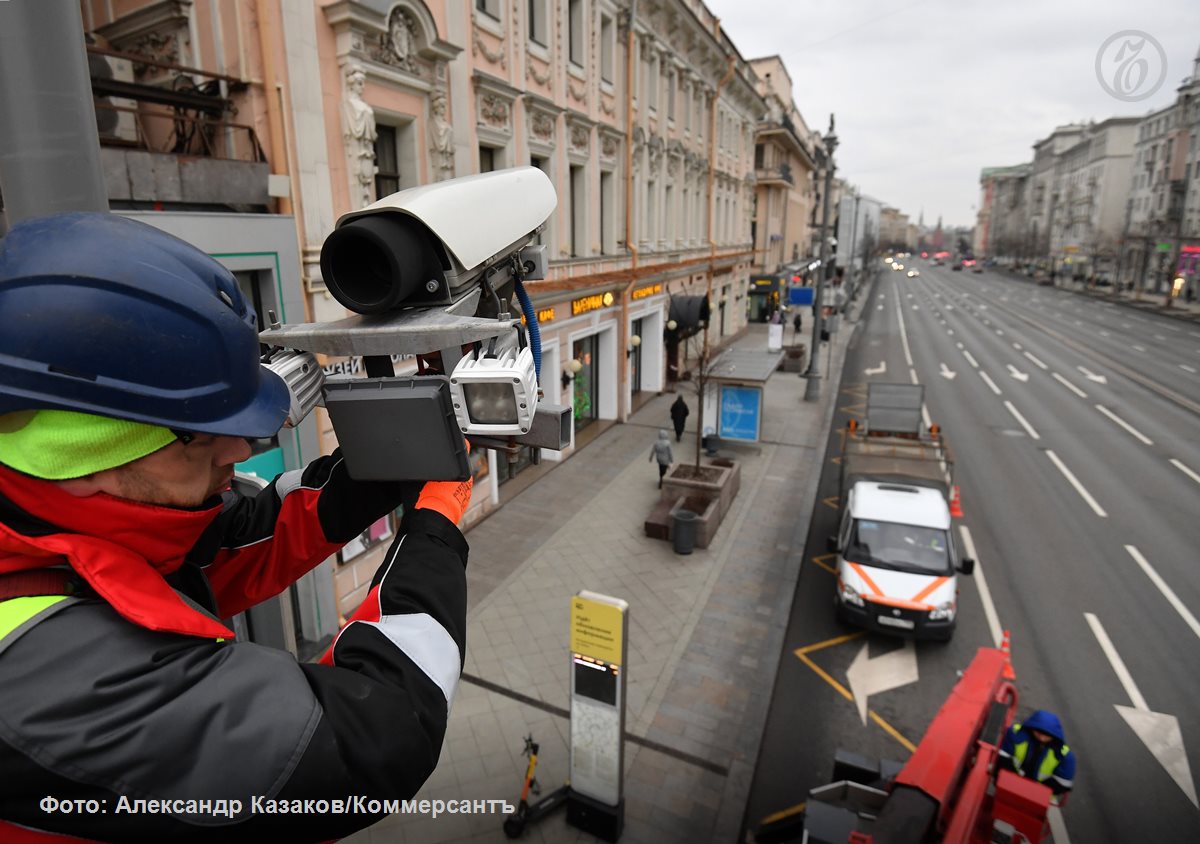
(970, 359)
(985, 594)
(912, 374)
(1017, 346)
(1139, 348)
(1025, 424)
(1187, 368)
(1035, 360)
(1195, 477)
(1118, 664)
(1146, 440)
(1083, 493)
(990, 382)
(1018, 374)
(903, 330)
(1068, 385)
(1166, 590)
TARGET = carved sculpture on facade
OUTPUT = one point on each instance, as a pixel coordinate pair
(580, 135)
(358, 132)
(441, 139)
(608, 146)
(541, 126)
(493, 111)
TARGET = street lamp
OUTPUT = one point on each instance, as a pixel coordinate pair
(812, 386)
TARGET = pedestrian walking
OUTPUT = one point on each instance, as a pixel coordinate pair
(679, 415)
(798, 322)
(662, 452)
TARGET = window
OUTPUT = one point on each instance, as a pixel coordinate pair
(578, 212)
(575, 36)
(669, 216)
(608, 47)
(487, 159)
(537, 22)
(387, 175)
(671, 95)
(608, 241)
(652, 83)
(491, 8)
(759, 156)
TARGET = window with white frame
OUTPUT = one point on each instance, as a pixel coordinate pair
(542, 163)
(578, 211)
(608, 47)
(608, 216)
(491, 8)
(652, 82)
(671, 95)
(537, 22)
(575, 34)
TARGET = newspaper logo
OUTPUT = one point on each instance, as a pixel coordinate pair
(1131, 65)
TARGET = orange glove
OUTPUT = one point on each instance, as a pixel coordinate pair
(450, 498)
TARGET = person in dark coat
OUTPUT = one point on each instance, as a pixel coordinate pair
(679, 415)
(798, 322)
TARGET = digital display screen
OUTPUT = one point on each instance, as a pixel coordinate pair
(595, 682)
(491, 403)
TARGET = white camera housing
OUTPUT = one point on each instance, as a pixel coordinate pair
(495, 395)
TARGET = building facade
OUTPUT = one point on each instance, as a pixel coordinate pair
(306, 111)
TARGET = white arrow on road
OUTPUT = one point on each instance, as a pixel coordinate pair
(1091, 376)
(882, 368)
(1018, 374)
(874, 676)
(1158, 731)
(947, 373)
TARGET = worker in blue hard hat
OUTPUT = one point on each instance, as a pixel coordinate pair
(1036, 749)
(129, 380)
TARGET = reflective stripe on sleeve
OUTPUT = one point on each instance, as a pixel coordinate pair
(427, 644)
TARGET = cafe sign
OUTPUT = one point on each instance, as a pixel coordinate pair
(644, 292)
(591, 303)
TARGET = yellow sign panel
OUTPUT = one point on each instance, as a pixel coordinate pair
(591, 303)
(546, 314)
(764, 282)
(643, 292)
(596, 629)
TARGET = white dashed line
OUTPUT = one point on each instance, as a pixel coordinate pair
(1035, 360)
(1024, 424)
(1146, 440)
(970, 359)
(1181, 467)
(1083, 493)
(1069, 385)
(989, 382)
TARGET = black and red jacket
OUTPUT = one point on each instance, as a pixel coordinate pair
(135, 688)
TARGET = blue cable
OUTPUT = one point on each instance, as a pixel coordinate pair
(535, 336)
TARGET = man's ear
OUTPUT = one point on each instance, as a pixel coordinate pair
(81, 487)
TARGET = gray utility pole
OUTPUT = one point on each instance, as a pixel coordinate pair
(49, 146)
(812, 388)
(848, 281)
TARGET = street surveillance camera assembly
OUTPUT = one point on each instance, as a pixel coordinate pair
(429, 272)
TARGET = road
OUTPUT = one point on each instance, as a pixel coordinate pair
(1073, 424)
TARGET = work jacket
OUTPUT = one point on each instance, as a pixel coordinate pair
(133, 694)
(1052, 763)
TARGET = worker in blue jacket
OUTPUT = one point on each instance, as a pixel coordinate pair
(1037, 750)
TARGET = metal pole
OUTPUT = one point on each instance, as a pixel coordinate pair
(49, 145)
(812, 389)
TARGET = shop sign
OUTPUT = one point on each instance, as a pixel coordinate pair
(763, 282)
(1163, 247)
(1189, 249)
(591, 303)
(643, 292)
(544, 315)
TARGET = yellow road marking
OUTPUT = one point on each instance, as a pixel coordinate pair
(802, 655)
(851, 410)
(837, 461)
(831, 501)
(783, 813)
(820, 560)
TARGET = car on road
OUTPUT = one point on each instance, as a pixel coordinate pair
(956, 267)
(913, 273)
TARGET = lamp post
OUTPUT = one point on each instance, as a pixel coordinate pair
(812, 387)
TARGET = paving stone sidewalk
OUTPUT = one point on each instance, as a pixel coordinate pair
(704, 636)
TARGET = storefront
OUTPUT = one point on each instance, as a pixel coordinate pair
(764, 297)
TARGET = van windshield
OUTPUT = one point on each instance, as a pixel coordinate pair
(903, 547)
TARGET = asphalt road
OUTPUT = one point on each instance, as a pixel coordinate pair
(1074, 425)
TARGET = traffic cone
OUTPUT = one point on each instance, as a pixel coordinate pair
(1006, 646)
(955, 505)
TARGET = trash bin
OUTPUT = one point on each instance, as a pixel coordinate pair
(683, 533)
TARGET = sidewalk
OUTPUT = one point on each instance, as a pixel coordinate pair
(705, 630)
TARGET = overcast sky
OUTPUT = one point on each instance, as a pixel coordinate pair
(928, 92)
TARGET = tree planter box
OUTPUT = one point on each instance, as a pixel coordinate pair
(716, 485)
(795, 358)
(708, 518)
(733, 486)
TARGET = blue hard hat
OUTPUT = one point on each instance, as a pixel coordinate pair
(105, 315)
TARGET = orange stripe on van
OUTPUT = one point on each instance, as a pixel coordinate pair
(930, 589)
(866, 579)
(898, 602)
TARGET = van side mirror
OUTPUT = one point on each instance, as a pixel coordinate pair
(831, 543)
(966, 565)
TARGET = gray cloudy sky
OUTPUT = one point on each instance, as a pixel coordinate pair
(927, 92)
